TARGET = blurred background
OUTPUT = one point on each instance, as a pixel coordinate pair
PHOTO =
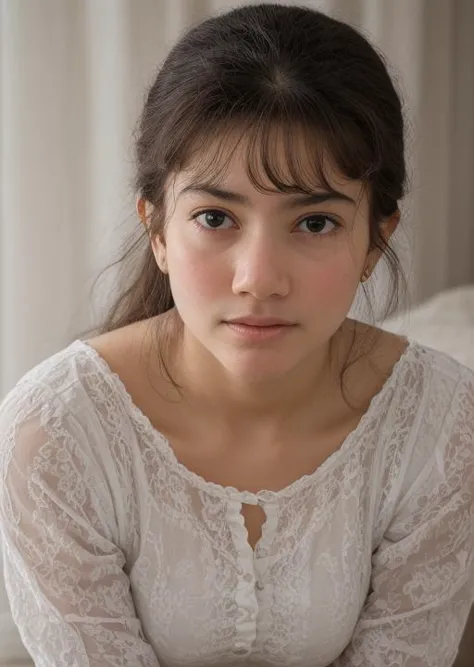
(73, 77)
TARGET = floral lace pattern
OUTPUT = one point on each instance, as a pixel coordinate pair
(116, 555)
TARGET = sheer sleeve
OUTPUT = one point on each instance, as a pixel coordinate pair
(422, 578)
(64, 573)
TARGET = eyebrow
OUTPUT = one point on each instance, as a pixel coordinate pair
(294, 202)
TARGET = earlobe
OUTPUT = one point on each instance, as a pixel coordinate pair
(387, 227)
(159, 250)
(144, 210)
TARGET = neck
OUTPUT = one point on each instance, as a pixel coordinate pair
(303, 394)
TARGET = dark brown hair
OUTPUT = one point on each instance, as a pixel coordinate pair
(256, 69)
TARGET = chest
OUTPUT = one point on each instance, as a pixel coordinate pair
(196, 597)
(254, 470)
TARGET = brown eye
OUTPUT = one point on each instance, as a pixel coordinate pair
(320, 225)
(212, 219)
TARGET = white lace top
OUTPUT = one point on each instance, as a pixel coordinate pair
(116, 555)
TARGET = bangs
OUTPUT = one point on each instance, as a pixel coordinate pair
(287, 156)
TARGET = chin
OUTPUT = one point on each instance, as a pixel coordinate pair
(258, 365)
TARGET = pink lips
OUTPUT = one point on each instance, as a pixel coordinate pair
(252, 328)
(255, 321)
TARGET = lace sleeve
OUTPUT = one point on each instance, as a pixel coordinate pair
(422, 578)
(69, 594)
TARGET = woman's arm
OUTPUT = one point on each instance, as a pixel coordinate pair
(423, 574)
(69, 594)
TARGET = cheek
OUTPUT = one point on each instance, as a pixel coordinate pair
(195, 277)
(333, 282)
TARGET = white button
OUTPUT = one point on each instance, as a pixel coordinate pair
(260, 586)
(248, 577)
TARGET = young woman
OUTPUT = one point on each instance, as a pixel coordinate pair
(233, 471)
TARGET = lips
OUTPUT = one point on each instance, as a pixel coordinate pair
(253, 321)
(258, 331)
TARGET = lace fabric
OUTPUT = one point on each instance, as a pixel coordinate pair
(116, 555)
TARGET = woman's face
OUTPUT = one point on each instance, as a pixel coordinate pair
(232, 251)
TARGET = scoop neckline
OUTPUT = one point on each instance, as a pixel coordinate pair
(231, 492)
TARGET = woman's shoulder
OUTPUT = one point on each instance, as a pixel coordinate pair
(415, 365)
(131, 356)
(48, 382)
(62, 439)
(420, 393)
(69, 408)
(122, 350)
(435, 392)
(445, 389)
(426, 418)
(76, 379)
(436, 396)
(428, 369)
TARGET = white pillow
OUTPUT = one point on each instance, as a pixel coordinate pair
(445, 322)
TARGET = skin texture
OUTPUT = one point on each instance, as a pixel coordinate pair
(267, 256)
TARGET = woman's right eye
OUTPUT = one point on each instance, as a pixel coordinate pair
(212, 219)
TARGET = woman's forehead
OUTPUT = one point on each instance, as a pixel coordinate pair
(232, 162)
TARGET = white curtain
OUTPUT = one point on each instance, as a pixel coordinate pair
(72, 80)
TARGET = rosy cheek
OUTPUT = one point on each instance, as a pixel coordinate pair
(196, 276)
(330, 289)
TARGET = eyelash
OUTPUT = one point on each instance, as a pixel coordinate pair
(214, 210)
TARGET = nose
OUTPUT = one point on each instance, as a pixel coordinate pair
(261, 268)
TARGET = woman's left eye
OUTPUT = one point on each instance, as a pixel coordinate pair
(317, 224)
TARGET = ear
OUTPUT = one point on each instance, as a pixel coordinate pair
(387, 227)
(144, 210)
